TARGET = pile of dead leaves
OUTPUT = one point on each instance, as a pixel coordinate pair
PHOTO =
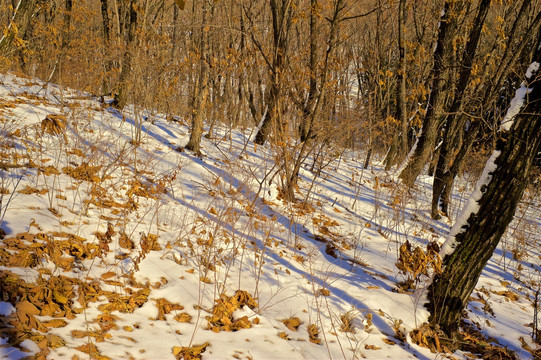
(430, 337)
(222, 313)
(417, 262)
(62, 249)
(84, 172)
(52, 297)
(53, 124)
(471, 341)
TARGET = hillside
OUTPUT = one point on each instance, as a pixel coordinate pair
(119, 244)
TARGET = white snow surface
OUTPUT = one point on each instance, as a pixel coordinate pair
(532, 69)
(220, 228)
(471, 207)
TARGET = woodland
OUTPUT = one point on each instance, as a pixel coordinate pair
(434, 106)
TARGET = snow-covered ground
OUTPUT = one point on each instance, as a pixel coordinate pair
(135, 250)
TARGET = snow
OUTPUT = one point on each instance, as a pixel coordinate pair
(515, 106)
(471, 207)
(220, 229)
(532, 69)
(6, 308)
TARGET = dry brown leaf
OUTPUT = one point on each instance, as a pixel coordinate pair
(108, 275)
(125, 242)
(313, 334)
(55, 323)
(371, 347)
(509, 295)
(323, 292)
(292, 323)
(189, 353)
(165, 307)
(183, 317)
(27, 308)
(284, 336)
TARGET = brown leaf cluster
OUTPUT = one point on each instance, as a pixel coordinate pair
(165, 307)
(29, 190)
(313, 334)
(149, 242)
(83, 172)
(52, 297)
(125, 303)
(429, 337)
(53, 124)
(222, 313)
(139, 189)
(27, 250)
(292, 323)
(417, 262)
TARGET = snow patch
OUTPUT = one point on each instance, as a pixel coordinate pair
(472, 207)
(514, 108)
(6, 308)
(533, 68)
(30, 346)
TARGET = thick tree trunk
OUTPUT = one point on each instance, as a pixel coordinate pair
(431, 122)
(453, 131)
(472, 243)
(202, 87)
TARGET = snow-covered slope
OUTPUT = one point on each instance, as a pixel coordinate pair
(117, 248)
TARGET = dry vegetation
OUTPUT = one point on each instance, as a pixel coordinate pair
(103, 153)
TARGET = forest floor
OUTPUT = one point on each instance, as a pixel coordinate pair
(118, 245)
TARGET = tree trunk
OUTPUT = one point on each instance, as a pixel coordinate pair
(306, 123)
(121, 97)
(281, 21)
(472, 243)
(399, 148)
(431, 122)
(106, 35)
(202, 87)
(453, 131)
(18, 24)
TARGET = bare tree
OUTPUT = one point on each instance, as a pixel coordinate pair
(281, 23)
(444, 48)
(491, 207)
(201, 89)
(455, 124)
(121, 97)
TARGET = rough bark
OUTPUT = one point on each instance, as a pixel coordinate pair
(306, 123)
(453, 131)
(444, 181)
(18, 25)
(202, 88)
(313, 111)
(106, 37)
(431, 121)
(121, 97)
(450, 291)
(399, 148)
(281, 21)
